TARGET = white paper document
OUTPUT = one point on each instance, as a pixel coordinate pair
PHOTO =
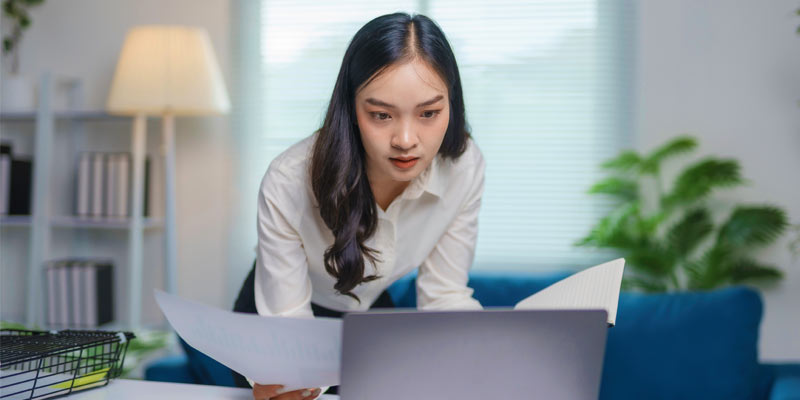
(593, 288)
(295, 352)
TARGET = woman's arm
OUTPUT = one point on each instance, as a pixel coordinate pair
(282, 284)
(442, 278)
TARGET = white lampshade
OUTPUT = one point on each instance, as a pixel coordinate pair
(167, 69)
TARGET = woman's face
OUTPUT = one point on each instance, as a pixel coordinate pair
(402, 115)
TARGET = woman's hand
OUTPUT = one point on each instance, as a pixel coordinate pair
(275, 392)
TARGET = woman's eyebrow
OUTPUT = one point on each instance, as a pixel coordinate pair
(376, 102)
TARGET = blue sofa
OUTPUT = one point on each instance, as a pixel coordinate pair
(693, 345)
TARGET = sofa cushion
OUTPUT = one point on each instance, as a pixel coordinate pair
(690, 345)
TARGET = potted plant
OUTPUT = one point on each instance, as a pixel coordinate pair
(17, 89)
(677, 237)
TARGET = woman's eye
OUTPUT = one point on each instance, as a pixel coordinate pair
(381, 116)
(430, 114)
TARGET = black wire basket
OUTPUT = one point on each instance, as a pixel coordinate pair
(41, 364)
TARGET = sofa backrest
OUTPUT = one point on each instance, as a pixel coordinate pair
(687, 345)
(492, 289)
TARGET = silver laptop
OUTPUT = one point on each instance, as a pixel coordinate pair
(466, 355)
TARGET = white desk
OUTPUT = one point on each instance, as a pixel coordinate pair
(123, 389)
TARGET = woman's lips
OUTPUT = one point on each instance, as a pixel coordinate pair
(404, 164)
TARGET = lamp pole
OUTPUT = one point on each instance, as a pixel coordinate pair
(138, 144)
(170, 234)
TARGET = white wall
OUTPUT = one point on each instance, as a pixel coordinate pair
(82, 38)
(728, 72)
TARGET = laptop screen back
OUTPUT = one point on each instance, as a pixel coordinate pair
(473, 355)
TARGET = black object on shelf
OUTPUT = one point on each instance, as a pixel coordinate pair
(5, 176)
(19, 199)
(37, 364)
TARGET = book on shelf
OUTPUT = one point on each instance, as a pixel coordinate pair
(110, 187)
(98, 166)
(80, 293)
(83, 184)
(103, 185)
(62, 289)
(123, 184)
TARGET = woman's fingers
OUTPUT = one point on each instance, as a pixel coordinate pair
(266, 392)
(302, 394)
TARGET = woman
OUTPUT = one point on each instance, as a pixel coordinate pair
(391, 182)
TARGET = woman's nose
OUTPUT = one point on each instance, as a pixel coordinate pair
(406, 138)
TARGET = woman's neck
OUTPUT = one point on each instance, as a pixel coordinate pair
(386, 193)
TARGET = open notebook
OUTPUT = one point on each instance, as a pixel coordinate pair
(593, 288)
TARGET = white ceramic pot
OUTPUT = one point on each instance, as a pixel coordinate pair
(17, 94)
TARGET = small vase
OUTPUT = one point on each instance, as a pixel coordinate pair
(17, 94)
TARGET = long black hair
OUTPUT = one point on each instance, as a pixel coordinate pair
(338, 165)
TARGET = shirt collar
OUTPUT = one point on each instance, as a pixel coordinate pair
(427, 181)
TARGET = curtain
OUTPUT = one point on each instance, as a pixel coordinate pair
(547, 88)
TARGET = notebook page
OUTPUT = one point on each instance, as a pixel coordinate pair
(593, 288)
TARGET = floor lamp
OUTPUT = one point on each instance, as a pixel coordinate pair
(164, 71)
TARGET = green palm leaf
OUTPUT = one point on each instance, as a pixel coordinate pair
(751, 226)
(659, 234)
(626, 161)
(711, 270)
(649, 225)
(625, 189)
(697, 181)
(679, 145)
(652, 258)
(690, 231)
(614, 230)
(750, 270)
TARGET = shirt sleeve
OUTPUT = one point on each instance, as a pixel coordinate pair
(282, 283)
(442, 278)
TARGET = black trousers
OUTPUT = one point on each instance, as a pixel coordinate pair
(246, 303)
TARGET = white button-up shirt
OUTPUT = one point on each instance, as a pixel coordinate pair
(432, 225)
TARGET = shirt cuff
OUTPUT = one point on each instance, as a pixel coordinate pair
(322, 391)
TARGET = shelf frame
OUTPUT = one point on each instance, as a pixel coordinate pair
(40, 207)
(42, 222)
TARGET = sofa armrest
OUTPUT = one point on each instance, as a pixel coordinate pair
(786, 383)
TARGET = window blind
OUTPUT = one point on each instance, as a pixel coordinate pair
(547, 96)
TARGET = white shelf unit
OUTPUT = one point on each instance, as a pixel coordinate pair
(52, 197)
